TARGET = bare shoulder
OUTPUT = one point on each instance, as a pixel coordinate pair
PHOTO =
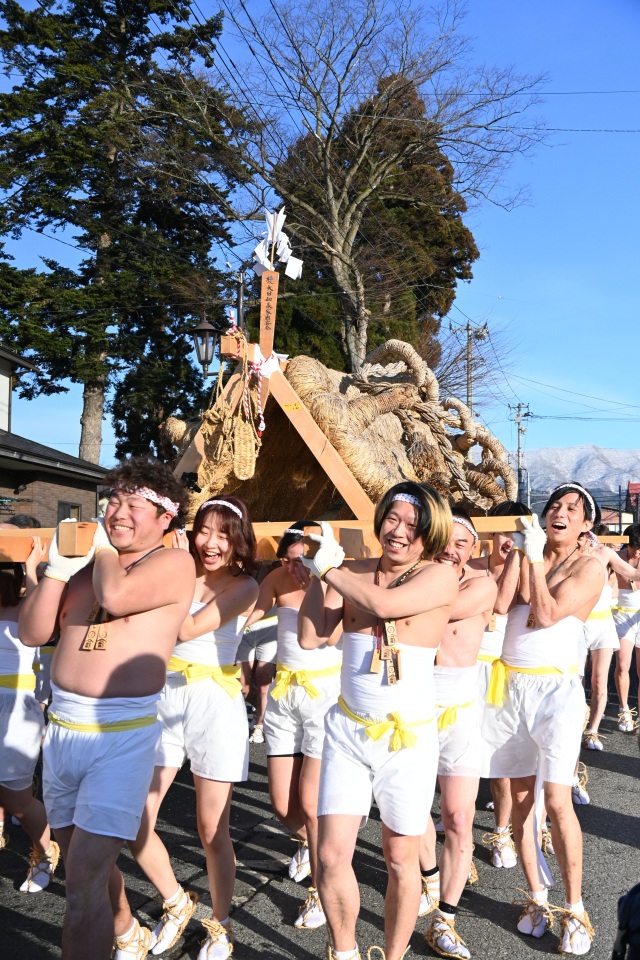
(368, 565)
(588, 568)
(177, 562)
(478, 564)
(480, 584)
(439, 576)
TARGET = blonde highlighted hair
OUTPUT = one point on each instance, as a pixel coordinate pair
(434, 523)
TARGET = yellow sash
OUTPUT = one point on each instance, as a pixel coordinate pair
(116, 727)
(226, 677)
(488, 657)
(285, 677)
(626, 609)
(401, 735)
(449, 715)
(600, 614)
(500, 673)
(48, 650)
(18, 681)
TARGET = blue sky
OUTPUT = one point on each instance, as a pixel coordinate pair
(559, 274)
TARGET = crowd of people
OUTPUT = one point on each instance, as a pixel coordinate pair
(374, 680)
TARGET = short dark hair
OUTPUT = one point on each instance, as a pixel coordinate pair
(509, 508)
(11, 581)
(293, 534)
(237, 528)
(24, 520)
(434, 521)
(587, 498)
(145, 471)
(633, 532)
(601, 529)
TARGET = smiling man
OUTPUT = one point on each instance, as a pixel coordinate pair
(537, 701)
(460, 740)
(381, 736)
(118, 618)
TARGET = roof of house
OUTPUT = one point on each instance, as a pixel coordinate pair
(16, 360)
(17, 451)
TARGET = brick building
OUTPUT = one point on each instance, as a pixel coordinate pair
(36, 479)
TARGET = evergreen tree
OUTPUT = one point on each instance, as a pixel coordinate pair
(95, 142)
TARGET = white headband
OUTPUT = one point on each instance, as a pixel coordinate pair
(294, 530)
(148, 494)
(222, 503)
(408, 498)
(579, 489)
(465, 523)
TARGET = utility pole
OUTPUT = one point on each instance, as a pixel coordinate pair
(522, 411)
(477, 333)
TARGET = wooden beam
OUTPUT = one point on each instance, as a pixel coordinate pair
(319, 445)
(268, 300)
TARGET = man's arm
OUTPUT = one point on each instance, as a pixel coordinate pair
(509, 581)
(434, 586)
(39, 612)
(232, 603)
(620, 566)
(320, 616)
(266, 598)
(476, 596)
(164, 578)
(572, 596)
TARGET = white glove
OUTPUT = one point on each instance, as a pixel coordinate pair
(63, 568)
(329, 555)
(534, 539)
(101, 537)
(517, 541)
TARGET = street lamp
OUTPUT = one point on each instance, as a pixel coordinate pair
(204, 341)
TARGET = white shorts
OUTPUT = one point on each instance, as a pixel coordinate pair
(601, 634)
(98, 781)
(202, 723)
(540, 721)
(354, 767)
(461, 744)
(484, 675)
(628, 626)
(259, 645)
(294, 723)
(21, 732)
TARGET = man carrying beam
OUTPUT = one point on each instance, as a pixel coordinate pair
(118, 618)
(549, 589)
(460, 739)
(381, 736)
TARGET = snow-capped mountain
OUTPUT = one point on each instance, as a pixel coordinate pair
(598, 468)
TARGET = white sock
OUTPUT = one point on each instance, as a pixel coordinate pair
(540, 896)
(176, 898)
(224, 923)
(577, 908)
(451, 917)
(346, 954)
(502, 829)
(127, 933)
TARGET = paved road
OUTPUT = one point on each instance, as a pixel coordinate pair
(266, 901)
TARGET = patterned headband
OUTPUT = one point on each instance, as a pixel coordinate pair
(465, 523)
(222, 503)
(294, 530)
(407, 498)
(154, 497)
(579, 489)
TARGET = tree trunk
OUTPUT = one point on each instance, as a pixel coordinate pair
(92, 414)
